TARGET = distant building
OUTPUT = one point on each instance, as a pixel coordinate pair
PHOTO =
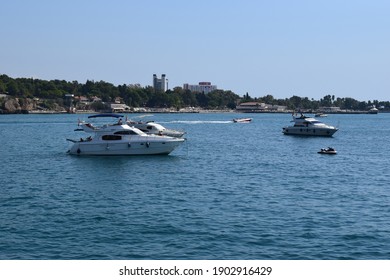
(329, 109)
(252, 106)
(259, 107)
(134, 86)
(96, 99)
(115, 107)
(82, 100)
(159, 84)
(204, 87)
(118, 100)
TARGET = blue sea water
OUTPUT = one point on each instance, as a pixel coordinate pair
(232, 191)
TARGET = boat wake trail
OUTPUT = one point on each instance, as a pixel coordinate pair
(198, 122)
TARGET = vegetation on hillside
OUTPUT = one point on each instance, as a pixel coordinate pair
(137, 96)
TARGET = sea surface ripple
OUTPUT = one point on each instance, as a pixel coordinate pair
(232, 191)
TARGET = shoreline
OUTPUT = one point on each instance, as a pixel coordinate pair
(200, 111)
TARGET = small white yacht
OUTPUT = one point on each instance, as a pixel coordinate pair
(309, 126)
(373, 110)
(150, 127)
(121, 139)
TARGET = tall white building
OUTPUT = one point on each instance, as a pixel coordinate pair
(159, 84)
(204, 87)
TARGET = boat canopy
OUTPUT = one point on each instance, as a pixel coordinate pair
(106, 115)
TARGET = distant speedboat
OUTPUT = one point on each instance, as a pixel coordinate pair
(150, 127)
(309, 126)
(328, 151)
(242, 120)
(320, 115)
(120, 139)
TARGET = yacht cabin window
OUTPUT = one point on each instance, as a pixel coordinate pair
(111, 137)
(126, 132)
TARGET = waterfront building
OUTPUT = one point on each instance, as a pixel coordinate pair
(115, 107)
(259, 107)
(329, 109)
(96, 99)
(204, 87)
(159, 84)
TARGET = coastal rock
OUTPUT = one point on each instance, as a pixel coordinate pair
(12, 105)
(27, 104)
(17, 105)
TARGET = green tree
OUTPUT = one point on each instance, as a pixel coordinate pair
(350, 103)
(326, 101)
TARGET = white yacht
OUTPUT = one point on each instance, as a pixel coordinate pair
(373, 110)
(150, 127)
(120, 139)
(309, 126)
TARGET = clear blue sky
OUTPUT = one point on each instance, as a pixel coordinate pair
(284, 48)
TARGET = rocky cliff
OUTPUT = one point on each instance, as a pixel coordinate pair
(12, 105)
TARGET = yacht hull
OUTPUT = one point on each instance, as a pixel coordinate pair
(127, 148)
(326, 132)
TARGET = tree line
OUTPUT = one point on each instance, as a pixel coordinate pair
(297, 102)
(131, 95)
(137, 96)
